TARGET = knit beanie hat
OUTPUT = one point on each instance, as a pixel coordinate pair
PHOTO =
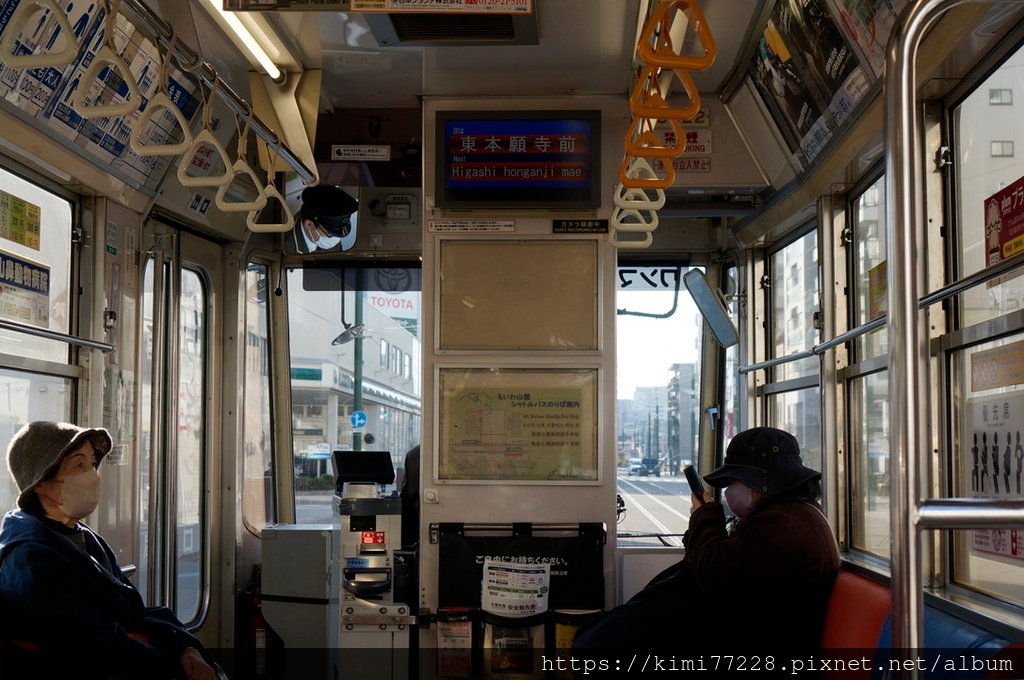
(38, 447)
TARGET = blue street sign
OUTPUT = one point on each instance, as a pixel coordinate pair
(358, 419)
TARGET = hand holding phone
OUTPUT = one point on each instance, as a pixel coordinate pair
(696, 485)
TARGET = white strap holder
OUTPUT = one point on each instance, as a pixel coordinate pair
(639, 199)
(16, 26)
(270, 191)
(206, 138)
(107, 55)
(241, 167)
(161, 100)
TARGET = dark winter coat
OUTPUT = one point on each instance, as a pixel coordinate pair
(767, 583)
(78, 608)
(761, 590)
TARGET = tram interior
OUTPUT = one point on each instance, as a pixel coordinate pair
(152, 173)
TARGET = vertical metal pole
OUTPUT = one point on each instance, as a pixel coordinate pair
(908, 355)
(156, 425)
(357, 358)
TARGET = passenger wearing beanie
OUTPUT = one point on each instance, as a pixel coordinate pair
(762, 589)
(61, 591)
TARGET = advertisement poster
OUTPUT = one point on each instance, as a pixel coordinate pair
(994, 465)
(804, 64)
(24, 291)
(515, 589)
(518, 425)
(47, 95)
(19, 220)
(1004, 223)
(867, 25)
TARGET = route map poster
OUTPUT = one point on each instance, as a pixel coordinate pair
(509, 425)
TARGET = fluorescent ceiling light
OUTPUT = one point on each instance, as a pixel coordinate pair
(250, 43)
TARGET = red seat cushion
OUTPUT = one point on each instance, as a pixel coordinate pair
(856, 613)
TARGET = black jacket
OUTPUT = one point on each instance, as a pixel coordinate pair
(79, 609)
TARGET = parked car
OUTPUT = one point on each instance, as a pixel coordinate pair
(635, 466)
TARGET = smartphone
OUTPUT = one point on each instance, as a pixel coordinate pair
(693, 479)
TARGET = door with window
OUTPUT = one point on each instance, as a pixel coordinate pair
(179, 335)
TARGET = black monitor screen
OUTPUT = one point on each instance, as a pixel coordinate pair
(363, 466)
(518, 159)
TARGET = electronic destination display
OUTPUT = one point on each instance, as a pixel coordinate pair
(518, 159)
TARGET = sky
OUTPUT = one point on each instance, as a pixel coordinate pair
(646, 348)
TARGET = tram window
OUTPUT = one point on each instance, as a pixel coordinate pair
(794, 302)
(731, 400)
(869, 234)
(25, 397)
(658, 349)
(258, 506)
(35, 256)
(349, 331)
(191, 438)
(989, 462)
(987, 171)
(869, 445)
(799, 412)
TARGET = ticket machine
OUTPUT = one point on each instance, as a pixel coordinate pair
(373, 627)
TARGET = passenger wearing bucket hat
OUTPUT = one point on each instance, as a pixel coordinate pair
(325, 222)
(760, 586)
(61, 588)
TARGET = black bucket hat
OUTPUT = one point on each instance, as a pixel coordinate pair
(764, 458)
(36, 450)
(331, 208)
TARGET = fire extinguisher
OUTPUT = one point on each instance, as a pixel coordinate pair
(262, 644)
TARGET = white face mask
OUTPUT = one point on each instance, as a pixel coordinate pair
(328, 242)
(740, 499)
(80, 494)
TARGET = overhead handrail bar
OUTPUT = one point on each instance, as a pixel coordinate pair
(25, 11)
(969, 513)
(27, 329)
(944, 293)
(163, 34)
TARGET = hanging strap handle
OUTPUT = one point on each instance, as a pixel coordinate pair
(657, 50)
(107, 55)
(16, 27)
(241, 167)
(206, 138)
(161, 102)
(271, 192)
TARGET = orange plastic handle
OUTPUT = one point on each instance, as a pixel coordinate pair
(648, 101)
(658, 51)
(641, 140)
(632, 169)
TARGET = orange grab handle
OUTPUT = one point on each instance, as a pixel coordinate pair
(641, 140)
(658, 51)
(647, 100)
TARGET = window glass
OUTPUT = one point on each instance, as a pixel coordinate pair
(799, 413)
(988, 173)
(988, 462)
(869, 443)
(348, 330)
(658, 349)
(794, 295)
(35, 266)
(731, 398)
(147, 514)
(258, 504)
(869, 234)
(25, 397)
(191, 445)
